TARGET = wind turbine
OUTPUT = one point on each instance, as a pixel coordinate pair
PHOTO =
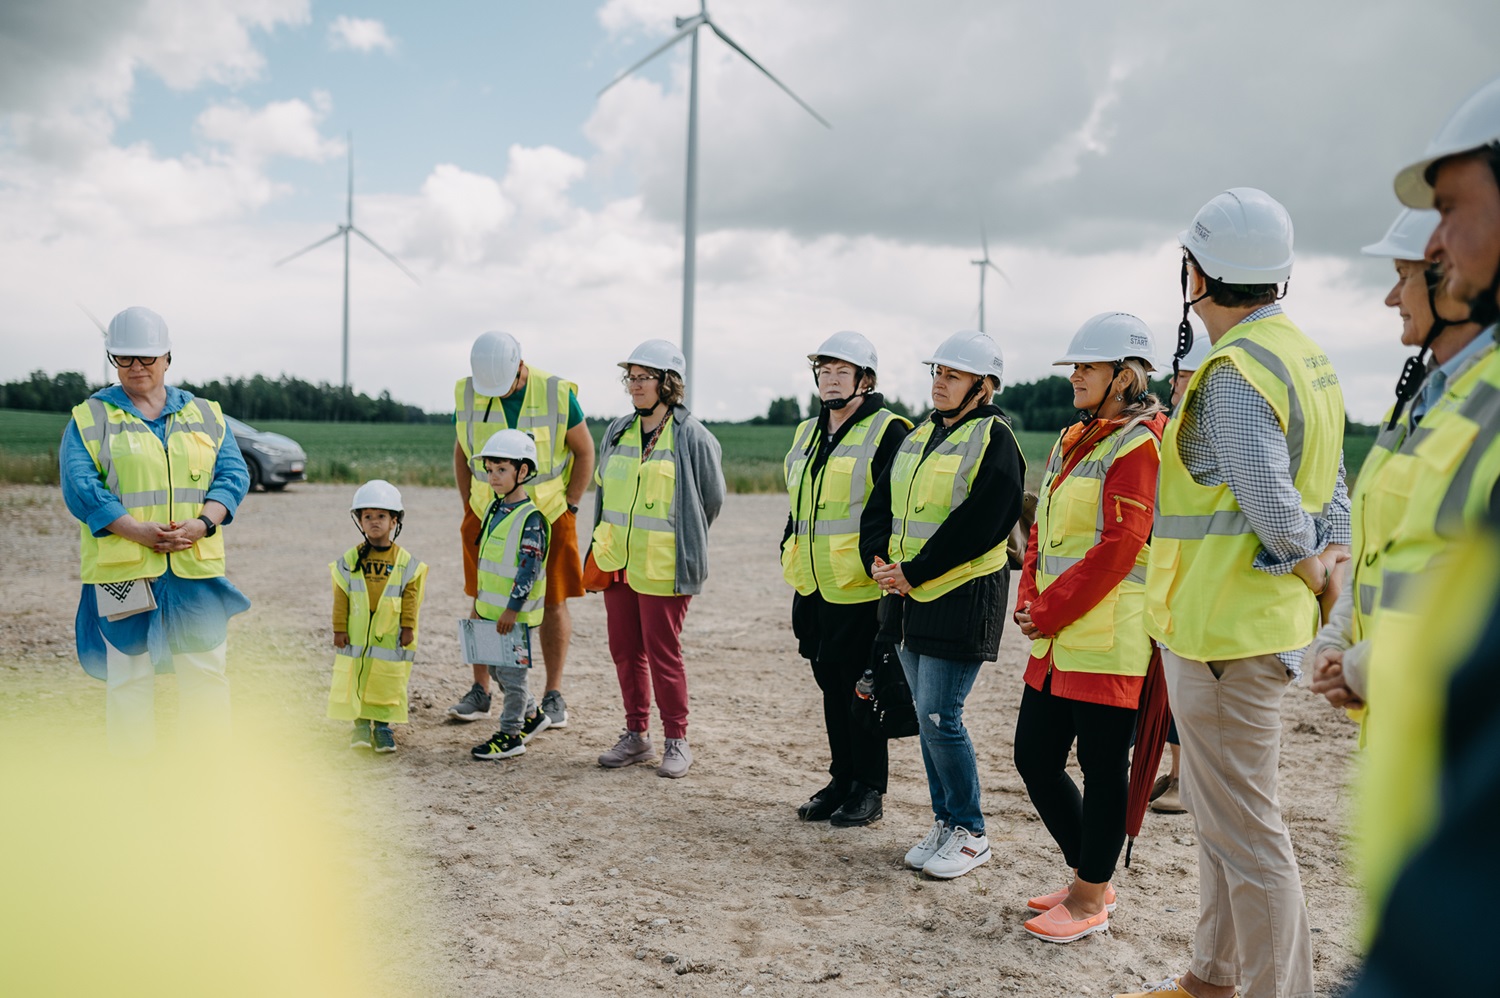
(688, 27)
(108, 364)
(985, 263)
(345, 230)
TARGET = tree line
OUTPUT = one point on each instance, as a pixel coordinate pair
(250, 399)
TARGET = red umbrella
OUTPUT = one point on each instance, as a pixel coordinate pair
(1152, 721)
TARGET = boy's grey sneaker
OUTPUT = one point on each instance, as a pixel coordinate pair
(536, 722)
(676, 757)
(474, 705)
(385, 739)
(361, 736)
(633, 747)
(555, 708)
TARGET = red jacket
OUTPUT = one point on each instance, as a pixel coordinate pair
(1079, 588)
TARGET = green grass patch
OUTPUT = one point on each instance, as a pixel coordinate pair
(422, 453)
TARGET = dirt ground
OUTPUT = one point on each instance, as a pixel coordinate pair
(547, 874)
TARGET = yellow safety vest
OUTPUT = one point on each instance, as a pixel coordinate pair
(635, 522)
(156, 484)
(1111, 637)
(371, 672)
(499, 561)
(1205, 600)
(822, 553)
(1410, 672)
(544, 415)
(926, 488)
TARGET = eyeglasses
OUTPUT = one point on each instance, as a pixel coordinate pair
(125, 363)
(637, 379)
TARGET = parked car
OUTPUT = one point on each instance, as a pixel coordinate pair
(273, 460)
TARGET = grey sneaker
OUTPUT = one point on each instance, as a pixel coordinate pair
(633, 747)
(676, 757)
(555, 708)
(474, 705)
(936, 837)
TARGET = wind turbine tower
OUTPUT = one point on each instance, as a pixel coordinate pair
(345, 230)
(688, 27)
(985, 263)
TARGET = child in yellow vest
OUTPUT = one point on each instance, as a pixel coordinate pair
(512, 586)
(377, 593)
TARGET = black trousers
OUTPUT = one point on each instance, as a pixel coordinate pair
(1088, 827)
(837, 639)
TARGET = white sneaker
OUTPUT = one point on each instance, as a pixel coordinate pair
(918, 855)
(958, 855)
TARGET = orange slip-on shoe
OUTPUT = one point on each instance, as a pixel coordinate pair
(1049, 901)
(1057, 925)
(1171, 988)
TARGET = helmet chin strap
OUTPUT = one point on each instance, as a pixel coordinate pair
(1088, 417)
(837, 404)
(1184, 328)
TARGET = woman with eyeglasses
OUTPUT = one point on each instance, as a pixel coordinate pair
(836, 457)
(152, 472)
(660, 485)
(934, 534)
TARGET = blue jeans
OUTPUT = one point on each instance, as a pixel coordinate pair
(939, 686)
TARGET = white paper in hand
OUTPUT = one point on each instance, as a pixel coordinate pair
(483, 645)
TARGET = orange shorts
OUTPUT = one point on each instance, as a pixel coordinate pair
(564, 566)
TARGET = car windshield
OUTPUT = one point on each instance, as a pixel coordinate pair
(239, 426)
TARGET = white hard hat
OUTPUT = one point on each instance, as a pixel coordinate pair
(1243, 236)
(1110, 336)
(973, 352)
(377, 494)
(512, 444)
(1195, 356)
(1475, 125)
(850, 346)
(1407, 237)
(659, 355)
(137, 332)
(494, 360)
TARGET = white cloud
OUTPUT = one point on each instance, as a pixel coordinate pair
(359, 34)
(286, 128)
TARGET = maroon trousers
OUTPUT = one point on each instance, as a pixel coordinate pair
(645, 640)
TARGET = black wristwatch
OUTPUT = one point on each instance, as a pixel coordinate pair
(572, 509)
(209, 527)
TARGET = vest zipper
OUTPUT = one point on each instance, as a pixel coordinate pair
(166, 451)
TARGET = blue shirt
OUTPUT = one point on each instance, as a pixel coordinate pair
(191, 614)
(1437, 380)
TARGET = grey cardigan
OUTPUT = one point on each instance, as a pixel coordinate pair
(697, 496)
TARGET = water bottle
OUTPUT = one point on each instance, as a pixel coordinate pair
(865, 688)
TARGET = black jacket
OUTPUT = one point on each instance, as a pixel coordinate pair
(965, 623)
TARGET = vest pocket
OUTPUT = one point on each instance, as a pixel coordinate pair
(385, 686)
(118, 552)
(661, 559)
(1095, 630)
(659, 483)
(340, 691)
(1161, 575)
(843, 553)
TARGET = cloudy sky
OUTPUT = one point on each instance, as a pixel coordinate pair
(167, 152)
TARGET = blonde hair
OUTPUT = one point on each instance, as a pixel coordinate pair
(1139, 402)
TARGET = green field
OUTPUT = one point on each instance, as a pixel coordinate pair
(422, 453)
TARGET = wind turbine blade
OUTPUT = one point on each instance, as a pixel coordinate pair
(308, 249)
(984, 240)
(997, 270)
(688, 30)
(92, 317)
(751, 59)
(389, 256)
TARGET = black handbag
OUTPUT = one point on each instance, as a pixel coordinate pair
(887, 709)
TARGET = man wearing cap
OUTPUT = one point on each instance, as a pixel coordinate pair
(504, 392)
(1251, 526)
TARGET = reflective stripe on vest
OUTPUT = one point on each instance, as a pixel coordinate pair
(1111, 637)
(543, 415)
(500, 561)
(1205, 600)
(155, 482)
(922, 497)
(822, 553)
(636, 529)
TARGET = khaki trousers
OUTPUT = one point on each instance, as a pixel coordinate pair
(1252, 921)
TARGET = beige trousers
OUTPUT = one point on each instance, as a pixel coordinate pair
(1252, 921)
